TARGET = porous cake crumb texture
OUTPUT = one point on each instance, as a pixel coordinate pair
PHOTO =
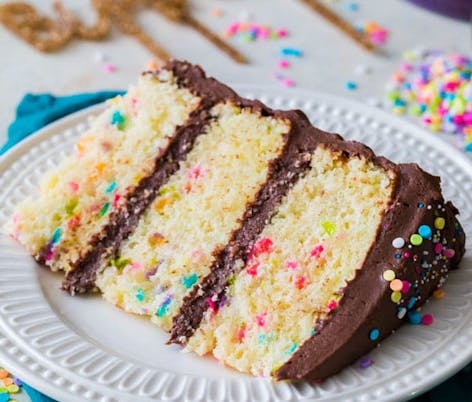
(299, 265)
(194, 215)
(111, 157)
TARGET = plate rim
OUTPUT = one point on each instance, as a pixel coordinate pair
(82, 116)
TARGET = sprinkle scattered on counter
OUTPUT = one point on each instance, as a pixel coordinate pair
(437, 88)
(251, 31)
(109, 68)
(365, 362)
(350, 85)
(9, 385)
(375, 32)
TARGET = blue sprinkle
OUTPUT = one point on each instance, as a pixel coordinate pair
(350, 85)
(425, 232)
(261, 339)
(291, 51)
(420, 205)
(118, 119)
(374, 334)
(140, 294)
(313, 331)
(292, 349)
(56, 236)
(353, 6)
(4, 397)
(164, 307)
(189, 281)
(468, 147)
(399, 102)
(398, 256)
(414, 317)
(411, 302)
(111, 187)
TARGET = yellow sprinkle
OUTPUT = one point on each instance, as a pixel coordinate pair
(439, 223)
(13, 389)
(396, 296)
(389, 275)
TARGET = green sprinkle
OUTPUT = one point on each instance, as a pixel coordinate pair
(111, 187)
(104, 209)
(416, 239)
(189, 281)
(120, 262)
(292, 349)
(329, 227)
(140, 294)
(56, 236)
(118, 120)
(71, 205)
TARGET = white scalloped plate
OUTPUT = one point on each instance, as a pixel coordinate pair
(81, 348)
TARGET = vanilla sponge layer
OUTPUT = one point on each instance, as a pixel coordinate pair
(76, 198)
(299, 265)
(195, 213)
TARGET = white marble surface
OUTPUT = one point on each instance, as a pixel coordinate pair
(330, 58)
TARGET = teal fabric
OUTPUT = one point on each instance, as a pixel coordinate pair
(35, 111)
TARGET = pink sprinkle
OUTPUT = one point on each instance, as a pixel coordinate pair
(252, 270)
(406, 254)
(73, 222)
(438, 248)
(332, 304)
(212, 304)
(261, 319)
(195, 173)
(284, 64)
(292, 264)
(109, 68)
(317, 250)
(288, 83)
(50, 254)
(427, 319)
(406, 286)
(449, 252)
(136, 265)
(74, 186)
(282, 33)
(301, 282)
(241, 334)
(263, 245)
(116, 199)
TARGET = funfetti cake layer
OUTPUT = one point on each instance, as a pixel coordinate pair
(247, 233)
(194, 214)
(84, 194)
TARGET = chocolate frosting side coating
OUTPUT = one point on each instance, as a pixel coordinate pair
(366, 303)
(123, 221)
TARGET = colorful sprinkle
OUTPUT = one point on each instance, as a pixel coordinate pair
(291, 52)
(389, 275)
(70, 206)
(283, 64)
(375, 32)
(365, 362)
(374, 334)
(56, 236)
(111, 187)
(425, 232)
(251, 270)
(109, 68)
(398, 242)
(104, 209)
(261, 319)
(120, 263)
(118, 120)
(350, 85)
(164, 307)
(438, 294)
(416, 239)
(406, 286)
(189, 281)
(292, 349)
(332, 305)
(427, 319)
(251, 31)
(292, 265)
(396, 296)
(414, 317)
(140, 294)
(449, 253)
(396, 285)
(316, 251)
(263, 245)
(437, 89)
(411, 302)
(401, 312)
(329, 227)
(301, 282)
(439, 223)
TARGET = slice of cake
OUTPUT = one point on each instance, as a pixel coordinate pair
(245, 232)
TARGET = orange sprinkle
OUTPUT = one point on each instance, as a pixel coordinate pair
(438, 294)
(4, 373)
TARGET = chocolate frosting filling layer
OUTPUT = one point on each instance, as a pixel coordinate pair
(123, 221)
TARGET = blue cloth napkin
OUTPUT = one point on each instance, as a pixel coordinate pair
(35, 111)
